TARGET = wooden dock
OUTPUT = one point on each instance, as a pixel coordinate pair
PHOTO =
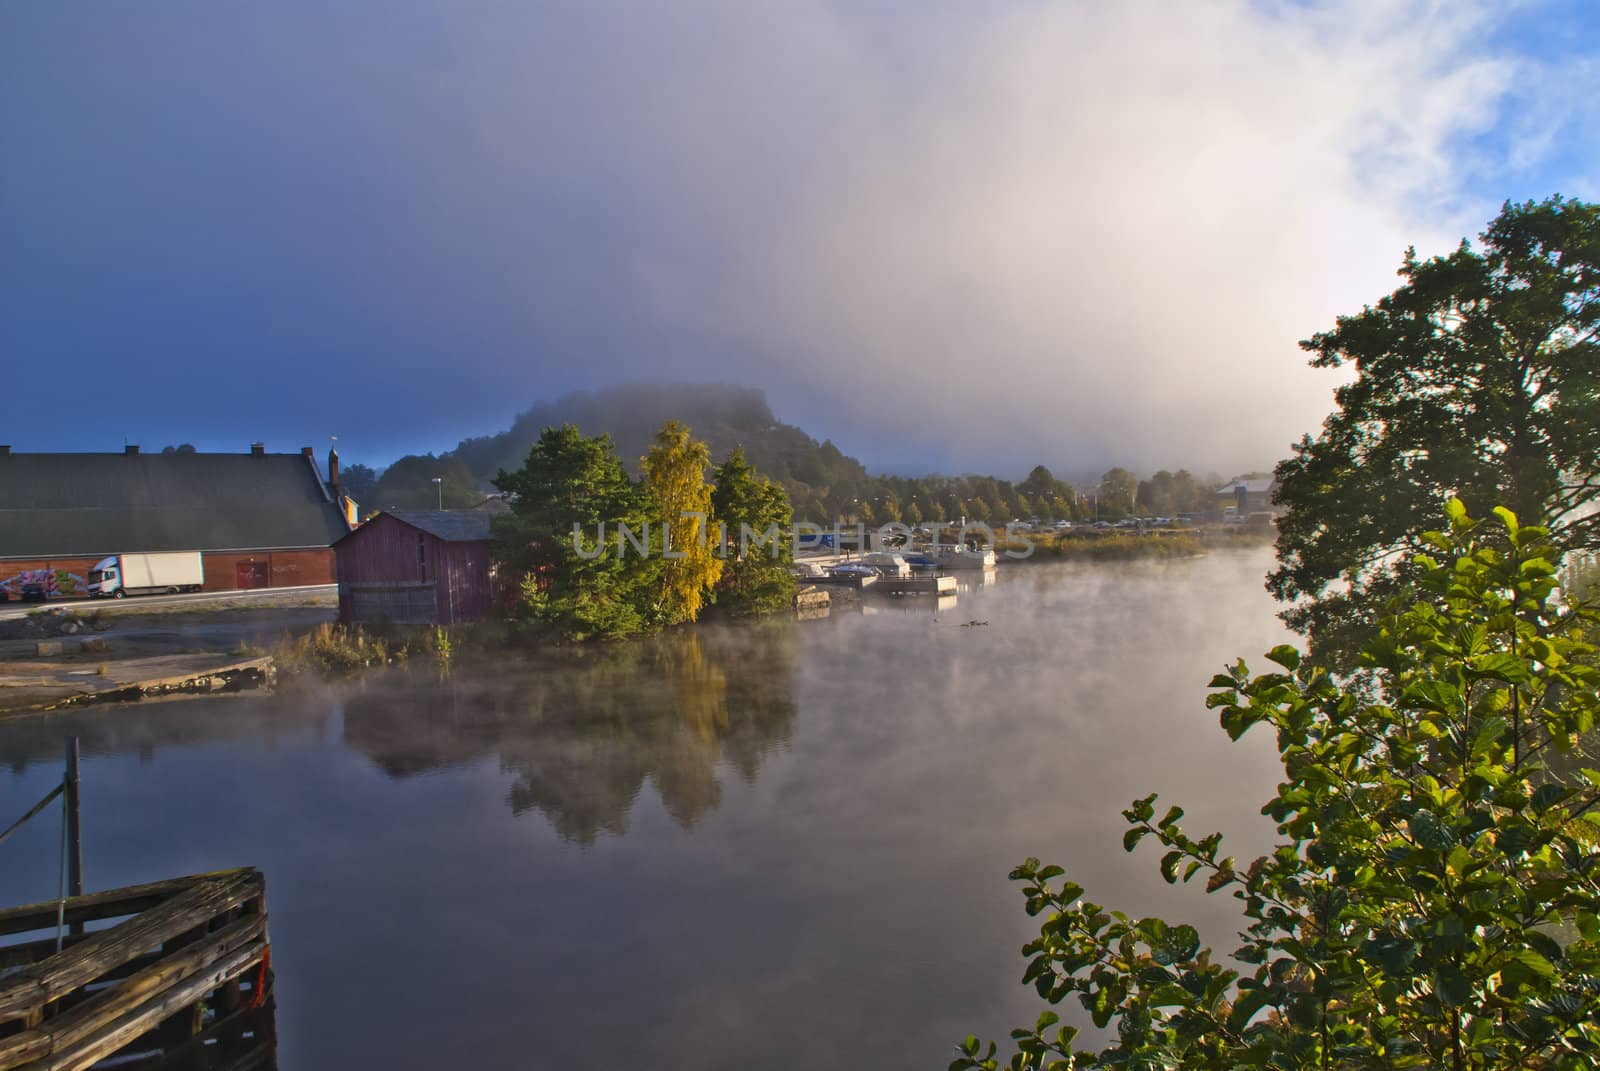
(183, 980)
(915, 585)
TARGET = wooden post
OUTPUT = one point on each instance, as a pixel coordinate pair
(74, 826)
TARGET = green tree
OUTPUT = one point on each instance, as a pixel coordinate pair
(1118, 488)
(574, 575)
(1478, 378)
(756, 578)
(675, 485)
(913, 514)
(1436, 900)
(360, 482)
(408, 484)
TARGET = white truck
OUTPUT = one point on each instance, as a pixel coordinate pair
(146, 574)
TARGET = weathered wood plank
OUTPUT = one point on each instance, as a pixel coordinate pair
(109, 1004)
(50, 979)
(114, 1035)
(111, 903)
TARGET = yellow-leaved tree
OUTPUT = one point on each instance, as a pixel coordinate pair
(675, 481)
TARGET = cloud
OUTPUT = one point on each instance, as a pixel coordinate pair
(950, 236)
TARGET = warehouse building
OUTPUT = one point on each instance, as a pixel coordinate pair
(258, 519)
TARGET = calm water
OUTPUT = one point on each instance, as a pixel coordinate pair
(782, 845)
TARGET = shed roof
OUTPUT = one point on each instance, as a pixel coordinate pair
(1253, 487)
(60, 505)
(451, 525)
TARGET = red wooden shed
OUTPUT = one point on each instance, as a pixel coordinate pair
(416, 567)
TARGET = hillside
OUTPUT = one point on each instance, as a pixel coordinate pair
(823, 482)
(724, 416)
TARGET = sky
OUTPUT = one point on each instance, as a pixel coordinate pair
(952, 237)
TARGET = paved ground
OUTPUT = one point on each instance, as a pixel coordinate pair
(204, 600)
(31, 685)
(185, 636)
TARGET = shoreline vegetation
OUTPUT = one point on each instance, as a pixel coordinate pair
(1123, 546)
(335, 649)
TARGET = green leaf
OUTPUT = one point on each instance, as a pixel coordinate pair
(1132, 837)
(1451, 986)
(1428, 831)
(1169, 866)
(1286, 656)
(1547, 796)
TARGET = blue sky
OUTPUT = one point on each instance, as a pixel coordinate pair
(1082, 234)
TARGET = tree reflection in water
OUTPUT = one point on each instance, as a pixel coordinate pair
(582, 729)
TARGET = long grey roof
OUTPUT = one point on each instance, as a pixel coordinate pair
(450, 525)
(61, 505)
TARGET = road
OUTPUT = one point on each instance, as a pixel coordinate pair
(198, 601)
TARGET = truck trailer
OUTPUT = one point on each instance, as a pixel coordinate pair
(146, 574)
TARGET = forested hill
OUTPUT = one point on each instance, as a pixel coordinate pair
(823, 483)
(723, 416)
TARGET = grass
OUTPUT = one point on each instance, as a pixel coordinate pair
(1127, 546)
(335, 648)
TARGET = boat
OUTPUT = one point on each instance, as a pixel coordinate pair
(958, 556)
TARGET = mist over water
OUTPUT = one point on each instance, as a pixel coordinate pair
(772, 845)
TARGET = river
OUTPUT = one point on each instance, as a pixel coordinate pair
(774, 845)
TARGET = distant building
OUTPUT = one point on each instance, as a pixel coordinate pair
(416, 567)
(1247, 496)
(258, 519)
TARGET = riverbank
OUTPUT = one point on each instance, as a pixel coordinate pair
(62, 656)
(1115, 546)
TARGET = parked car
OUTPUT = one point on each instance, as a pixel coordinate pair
(852, 569)
(33, 591)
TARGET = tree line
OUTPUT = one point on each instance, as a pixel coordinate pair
(588, 551)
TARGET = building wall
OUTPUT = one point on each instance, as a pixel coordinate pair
(463, 588)
(388, 552)
(66, 578)
(63, 578)
(267, 568)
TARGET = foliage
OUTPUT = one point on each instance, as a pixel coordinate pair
(823, 482)
(1436, 900)
(332, 648)
(360, 482)
(757, 577)
(570, 582)
(1118, 546)
(680, 500)
(1168, 493)
(408, 484)
(1117, 493)
(1477, 377)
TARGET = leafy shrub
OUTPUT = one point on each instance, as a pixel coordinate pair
(1436, 899)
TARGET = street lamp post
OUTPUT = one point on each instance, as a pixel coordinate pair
(438, 481)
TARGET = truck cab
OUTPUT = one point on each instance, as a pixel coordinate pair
(105, 579)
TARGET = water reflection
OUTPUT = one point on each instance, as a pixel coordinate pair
(819, 819)
(582, 731)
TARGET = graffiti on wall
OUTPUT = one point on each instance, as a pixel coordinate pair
(57, 583)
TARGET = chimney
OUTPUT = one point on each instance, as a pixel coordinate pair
(257, 449)
(333, 470)
(305, 451)
(130, 449)
(5, 450)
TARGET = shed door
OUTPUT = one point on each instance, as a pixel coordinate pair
(249, 575)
